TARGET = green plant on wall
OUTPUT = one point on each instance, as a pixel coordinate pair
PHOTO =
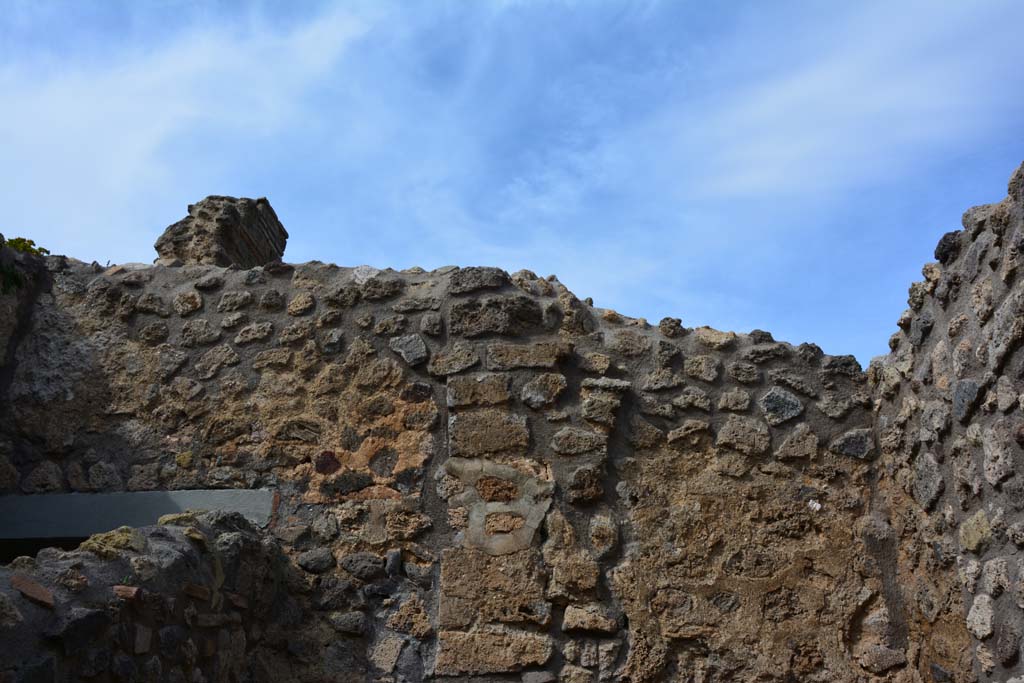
(26, 246)
(10, 279)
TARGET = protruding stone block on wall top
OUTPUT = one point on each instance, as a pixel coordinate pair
(225, 231)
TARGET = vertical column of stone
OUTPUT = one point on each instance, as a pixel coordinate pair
(950, 427)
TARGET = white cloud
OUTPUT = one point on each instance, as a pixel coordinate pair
(83, 145)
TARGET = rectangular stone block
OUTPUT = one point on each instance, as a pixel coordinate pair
(490, 651)
(487, 430)
(478, 390)
(512, 356)
(505, 589)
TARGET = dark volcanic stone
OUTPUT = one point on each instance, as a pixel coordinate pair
(780, 405)
(317, 560)
(474, 278)
(948, 247)
(856, 443)
(365, 566)
(81, 627)
(172, 638)
(965, 395)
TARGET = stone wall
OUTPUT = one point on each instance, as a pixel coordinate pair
(198, 598)
(950, 482)
(482, 477)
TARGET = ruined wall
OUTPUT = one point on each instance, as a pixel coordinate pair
(482, 477)
(950, 486)
(196, 598)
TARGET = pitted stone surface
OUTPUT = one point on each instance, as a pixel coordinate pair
(225, 231)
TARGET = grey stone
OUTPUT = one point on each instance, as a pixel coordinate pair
(316, 561)
(254, 332)
(507, 315)
(234, 301)
(997, 443)
(744, 434)
(965, 397)
(475, 278)
(574, 441)
(199, 333)
(432, 324)
(948, 247)
(80, 627)
(411, 348)
(365, 566)
(743, 372)
(543, 390)
(209, 282)
(979, 618)
(928, 483)
(780, 405)
(856, 443)
(171, 640)
(349, 623)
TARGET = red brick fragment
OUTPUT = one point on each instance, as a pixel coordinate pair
(127, 592)
(32, 590)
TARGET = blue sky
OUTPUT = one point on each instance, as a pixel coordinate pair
(787, 166)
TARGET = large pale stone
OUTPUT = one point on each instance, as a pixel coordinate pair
(225, 231)
(490, 652)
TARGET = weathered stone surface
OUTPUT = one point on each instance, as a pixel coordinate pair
(507, 315)
(976, 532)
(780, 405)
(473, 279)
(317, 560)
(507, 589)
(514, 356)
(979, 618)
(453, 359)
(801, 443)
(487, 430)
(225, 231)
(856, 443)
(928, 482)
(704, 368)
(746, 435)
(592, 617)
(490, 651)
(479, 390)
(574, 441)
(543, 390)
(411, 348)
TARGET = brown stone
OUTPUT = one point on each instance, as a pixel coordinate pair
(492, 589)
(592, 617)
(225, 231)
(453, 359)
(490, 651)
(487, 430)
(575, 441)
(478, 390)
(495, 489)
(129, 593)
(32, 590)
(513, 356)
(411, 617)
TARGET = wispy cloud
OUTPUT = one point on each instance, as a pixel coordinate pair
(666, 158)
